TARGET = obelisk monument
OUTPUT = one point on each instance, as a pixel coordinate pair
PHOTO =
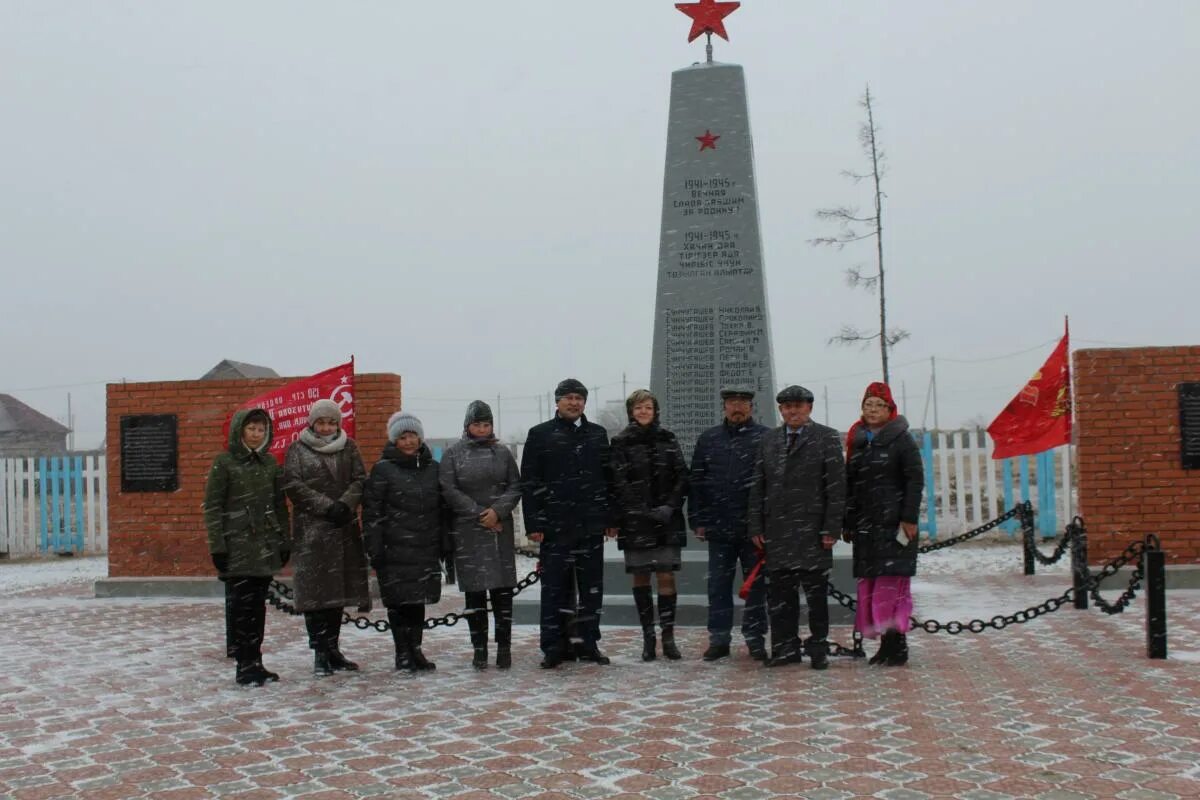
(711, 327)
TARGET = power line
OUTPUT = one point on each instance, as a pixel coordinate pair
(999, 358)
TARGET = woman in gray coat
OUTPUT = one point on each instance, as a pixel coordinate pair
(481, 484)
(323, 476)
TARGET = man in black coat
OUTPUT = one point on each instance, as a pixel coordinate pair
(722, 470)
(566, 486)
(797, 503)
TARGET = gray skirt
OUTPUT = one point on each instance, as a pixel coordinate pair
(664, 558)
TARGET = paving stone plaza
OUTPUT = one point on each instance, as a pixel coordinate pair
(128, 698)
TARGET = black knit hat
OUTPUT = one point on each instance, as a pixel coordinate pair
(794, 394)
(478, 411)
(570, 386)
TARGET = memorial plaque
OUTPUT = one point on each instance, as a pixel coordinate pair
(1189, 424)
(149, 453)
(711, 327)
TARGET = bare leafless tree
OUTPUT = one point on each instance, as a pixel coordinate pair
(854, 227)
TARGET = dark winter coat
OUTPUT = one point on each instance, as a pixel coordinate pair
(566, 479)
(722, 472)
(330, 564)
(477, 475)
(406, 527)
(884, 481)
(245, 511)
(797, 497)
(648, 471)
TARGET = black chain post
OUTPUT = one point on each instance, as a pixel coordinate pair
(1079, 563)
(1154, 565)
(1027, 535)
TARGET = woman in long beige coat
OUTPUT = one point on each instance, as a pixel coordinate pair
(324, 476)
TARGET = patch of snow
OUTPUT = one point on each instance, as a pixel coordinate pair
(18, 576)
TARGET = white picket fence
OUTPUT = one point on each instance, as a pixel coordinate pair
(966, 487)
(53, 505)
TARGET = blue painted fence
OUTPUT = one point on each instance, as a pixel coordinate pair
(61, 489)
(53, 505)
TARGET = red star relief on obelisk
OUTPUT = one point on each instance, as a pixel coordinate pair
(707, 141)
(708, 17)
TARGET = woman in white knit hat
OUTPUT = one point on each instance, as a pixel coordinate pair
(407, 535)
(323, 476)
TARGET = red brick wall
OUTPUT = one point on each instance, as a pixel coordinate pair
(1131, 478)
(162, 533)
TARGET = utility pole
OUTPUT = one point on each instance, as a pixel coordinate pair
(624, 386)
(933, 384)
(497, 415)
(904, 394)
(70, 425)
(826, 402)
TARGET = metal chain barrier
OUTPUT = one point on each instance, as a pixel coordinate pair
(1133, 552)
(1019, 510)
(835, 649)
(1060, 548)
(277, 592)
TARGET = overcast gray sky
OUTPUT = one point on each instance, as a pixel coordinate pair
(468, 193)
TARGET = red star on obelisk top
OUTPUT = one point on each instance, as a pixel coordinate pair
(708, 17)
(707, 141)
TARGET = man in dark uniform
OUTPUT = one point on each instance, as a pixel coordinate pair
(722, 470)
(566, 481)
(797, 501)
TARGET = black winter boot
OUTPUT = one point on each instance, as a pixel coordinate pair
(254, 672)
(818, 653)
(715, 652)
(321, 665)
(419, 660)
(477, 622)
(886, 644)
(340, 662)
(666, 620)
(643, 599)
(400, 638)
(899, 656)
(502, 611)
(336, 660)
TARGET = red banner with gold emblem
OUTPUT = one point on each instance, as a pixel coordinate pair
(289, 404)
(1039, 417)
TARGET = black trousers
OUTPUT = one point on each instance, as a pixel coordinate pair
(476, 602)
(248, 612)
(563, 563)
(324, 627)
(783, 600)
